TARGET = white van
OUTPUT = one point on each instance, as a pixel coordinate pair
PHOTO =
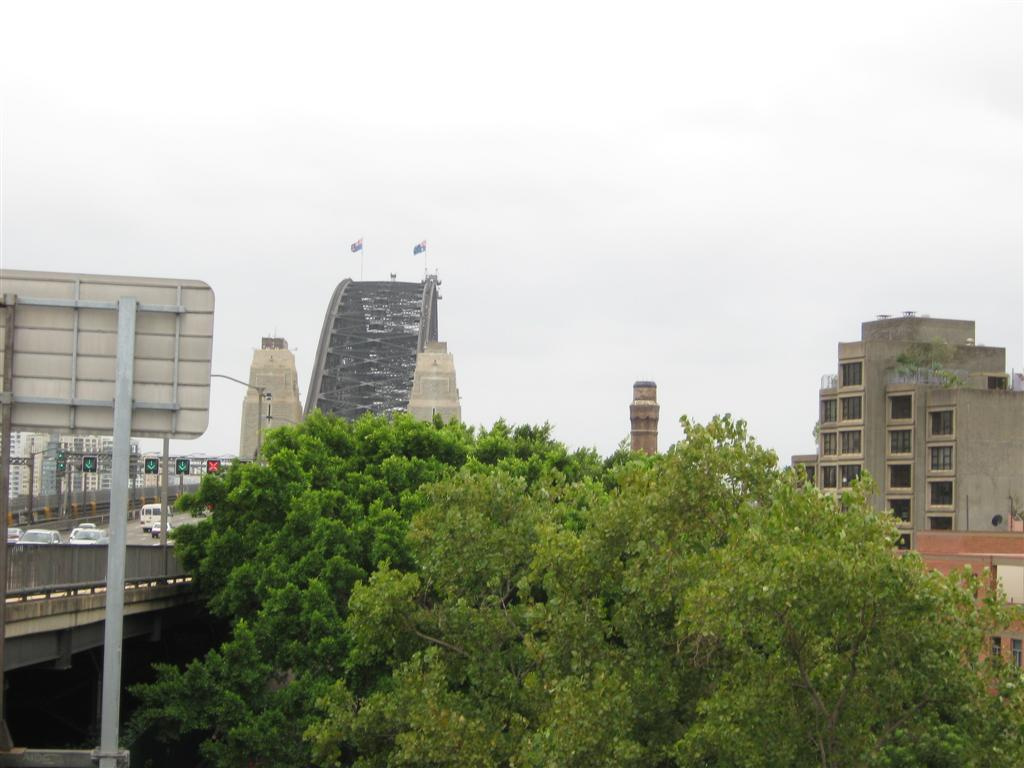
(149, 514)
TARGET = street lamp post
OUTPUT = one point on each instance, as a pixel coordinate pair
(262, 395)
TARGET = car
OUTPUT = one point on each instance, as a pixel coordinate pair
(84, 536)
(39, 536)
(155, 530)
(13, 534)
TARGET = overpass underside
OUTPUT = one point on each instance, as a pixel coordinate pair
(366, 356)
(57, 599)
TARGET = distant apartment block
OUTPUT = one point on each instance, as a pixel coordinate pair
(37, 465)
(933, 417)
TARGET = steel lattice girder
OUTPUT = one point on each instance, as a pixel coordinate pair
(367, 351)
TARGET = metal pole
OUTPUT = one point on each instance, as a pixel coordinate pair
(110, 755)
(5, 485)
(31, 480)
(60, 492)
(163, 498)
(259, 407)
(259, 422)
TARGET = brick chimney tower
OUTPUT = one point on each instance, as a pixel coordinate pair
(643, 417)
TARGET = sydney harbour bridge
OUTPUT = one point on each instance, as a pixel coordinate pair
(367, 351)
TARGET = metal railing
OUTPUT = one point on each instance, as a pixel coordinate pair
(42, 570)
(828, 381)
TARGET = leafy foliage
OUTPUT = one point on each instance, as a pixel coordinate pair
(932, 358)
(408, 594)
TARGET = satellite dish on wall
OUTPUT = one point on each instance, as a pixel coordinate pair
(997, 520)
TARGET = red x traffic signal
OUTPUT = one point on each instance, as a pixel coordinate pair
(212, 466)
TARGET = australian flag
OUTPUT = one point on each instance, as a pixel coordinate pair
(420, 248)
(357, 245)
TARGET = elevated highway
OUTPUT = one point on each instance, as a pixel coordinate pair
(57, 597)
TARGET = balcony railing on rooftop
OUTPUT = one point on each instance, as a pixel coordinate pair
(829, 381)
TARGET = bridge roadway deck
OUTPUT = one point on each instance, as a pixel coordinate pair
(57, 599)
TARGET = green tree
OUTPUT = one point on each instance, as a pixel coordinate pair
(287, 543)
(407, 594)
(709, 611)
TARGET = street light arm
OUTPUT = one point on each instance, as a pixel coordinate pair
(238, 381)
(261, 393)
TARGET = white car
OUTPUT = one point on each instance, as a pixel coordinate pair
(13, 534)
(85, 536)
(155, 530)
(39, 536)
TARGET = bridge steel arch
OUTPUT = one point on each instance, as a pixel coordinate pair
(366, 355)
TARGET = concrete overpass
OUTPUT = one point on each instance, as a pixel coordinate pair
(57, 597)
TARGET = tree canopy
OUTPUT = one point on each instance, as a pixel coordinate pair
(415, 594)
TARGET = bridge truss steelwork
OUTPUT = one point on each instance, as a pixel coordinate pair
(367, 352)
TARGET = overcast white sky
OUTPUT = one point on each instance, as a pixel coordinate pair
(710, 195)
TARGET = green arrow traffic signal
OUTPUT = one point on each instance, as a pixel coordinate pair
(62, 461)
(181, 466)
(89, 463)
(152, 466)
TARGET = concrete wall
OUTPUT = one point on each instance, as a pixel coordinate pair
(907, 329)
(988, 456)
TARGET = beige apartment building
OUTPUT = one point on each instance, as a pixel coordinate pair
(933, 417)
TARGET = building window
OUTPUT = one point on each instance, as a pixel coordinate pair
(942, 457)
(900, 509)
(851, 408)
(899, 441)
(849, 442)
(941, 493)
(997, 382)
(944, 523)
(903, 542)
(997, 646)
(851, 374)
(828, 443)
(942, 422)
(828, 477)
(828, 411)
(1015, 651)
(901, 407)
(848, 473)
(899, 475)
(809, 469)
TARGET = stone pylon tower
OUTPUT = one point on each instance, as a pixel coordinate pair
(273, 370)
(433, 385)
(643, 417)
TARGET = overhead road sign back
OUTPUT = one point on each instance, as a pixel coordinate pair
(65, 351)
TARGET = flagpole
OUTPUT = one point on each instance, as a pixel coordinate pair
(362, 255)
